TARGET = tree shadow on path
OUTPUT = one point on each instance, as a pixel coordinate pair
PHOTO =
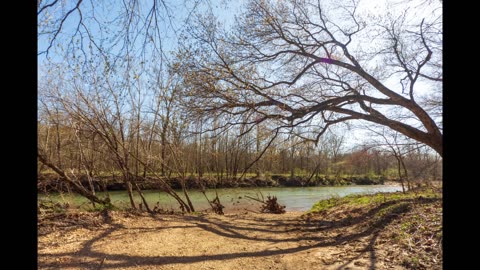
(307, 235)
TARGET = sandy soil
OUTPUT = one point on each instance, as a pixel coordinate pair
(401, 234)
(191, 242)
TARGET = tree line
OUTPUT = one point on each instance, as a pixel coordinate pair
(272, 95)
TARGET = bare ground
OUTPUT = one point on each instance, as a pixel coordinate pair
(390, 235)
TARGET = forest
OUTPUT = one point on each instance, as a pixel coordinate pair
(178, 97)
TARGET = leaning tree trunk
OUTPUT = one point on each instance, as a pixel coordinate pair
(78, 188)
(184, 189)
(133, 183)
(128, 186)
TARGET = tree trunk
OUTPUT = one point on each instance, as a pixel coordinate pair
(78, 188)
(129, 192)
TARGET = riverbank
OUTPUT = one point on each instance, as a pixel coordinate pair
(52, 183)
(383, 231)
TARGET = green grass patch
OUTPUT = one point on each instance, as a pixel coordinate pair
(354, 200)
(363, 200)
(324, 205)
(101, 207)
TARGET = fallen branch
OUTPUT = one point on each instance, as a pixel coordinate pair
(270, 205)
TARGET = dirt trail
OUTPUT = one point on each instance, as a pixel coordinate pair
(394, 231)
(235, 241)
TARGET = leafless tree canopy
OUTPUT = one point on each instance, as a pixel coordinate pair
(311, 64)
(115, 31)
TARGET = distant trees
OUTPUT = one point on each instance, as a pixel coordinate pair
(413, 161)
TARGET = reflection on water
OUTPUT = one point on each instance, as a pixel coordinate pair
(294, 198)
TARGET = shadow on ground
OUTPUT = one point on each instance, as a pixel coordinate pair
(296, 234)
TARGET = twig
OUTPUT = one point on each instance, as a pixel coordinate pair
(101, 263)
(255, 199)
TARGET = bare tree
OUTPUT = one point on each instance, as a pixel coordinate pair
(315, 64)
(402, 149)
(72, 180)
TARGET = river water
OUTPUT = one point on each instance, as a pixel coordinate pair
(294, 198)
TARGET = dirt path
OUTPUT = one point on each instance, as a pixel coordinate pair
(383, 231)
(236, 241)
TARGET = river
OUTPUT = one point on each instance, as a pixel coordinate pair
(294, 198)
